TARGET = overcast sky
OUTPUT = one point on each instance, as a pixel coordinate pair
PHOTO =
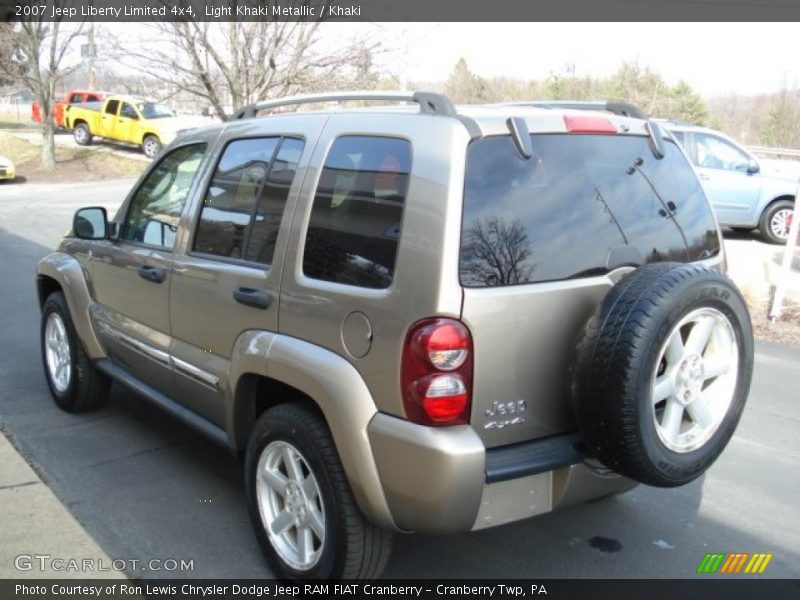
(715, 58)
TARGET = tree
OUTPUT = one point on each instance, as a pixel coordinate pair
(228, 65)
(497, 252)
(685, 104)
(9, 74)
(638, 85)
(783, 121)
(568, 86)
(37, 54)
(466, 87)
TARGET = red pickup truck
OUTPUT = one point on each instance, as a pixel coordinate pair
(71, 97)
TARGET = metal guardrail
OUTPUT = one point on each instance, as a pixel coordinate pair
(794, 152)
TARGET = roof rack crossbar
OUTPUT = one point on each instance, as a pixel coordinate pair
(618, 108)
(429, 102)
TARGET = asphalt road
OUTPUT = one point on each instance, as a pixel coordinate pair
(144, 486)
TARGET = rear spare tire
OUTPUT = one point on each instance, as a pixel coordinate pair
(663, 373)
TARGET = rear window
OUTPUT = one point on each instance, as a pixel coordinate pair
(581, 206)
(357, 213)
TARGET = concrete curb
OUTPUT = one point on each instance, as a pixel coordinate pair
(37, 529)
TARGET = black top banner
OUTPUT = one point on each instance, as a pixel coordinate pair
(401, 10)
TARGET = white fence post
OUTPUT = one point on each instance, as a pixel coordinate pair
(786, 264)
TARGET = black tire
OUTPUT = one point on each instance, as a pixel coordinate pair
(621, 353)
(765, 224)
(353, 547)
(82, 135)
(151, 146)
(88, 387)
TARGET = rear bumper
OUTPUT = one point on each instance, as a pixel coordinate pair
(443, 480)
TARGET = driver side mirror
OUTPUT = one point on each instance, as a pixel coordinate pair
(90, 223)
(752, 167)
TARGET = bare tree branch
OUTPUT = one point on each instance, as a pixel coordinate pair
(37, 51)
(232, 64)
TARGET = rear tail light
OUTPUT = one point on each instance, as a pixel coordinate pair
(589, 125)
(436, 372)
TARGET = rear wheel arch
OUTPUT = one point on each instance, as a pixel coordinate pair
(256, 393)
(788, 197)
(316, 377)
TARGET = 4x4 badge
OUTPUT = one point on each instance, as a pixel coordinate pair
(505, 414)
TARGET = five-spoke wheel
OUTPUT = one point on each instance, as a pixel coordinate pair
(291, 505)
(306, 519)
(695, 379)
(58, 357)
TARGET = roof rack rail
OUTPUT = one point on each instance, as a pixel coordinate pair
(618, 108)
(429, 102)
(677, 122)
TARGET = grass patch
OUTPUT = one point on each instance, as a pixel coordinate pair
(18, 150)
(72, 164)
(12, 120)
(15, 125)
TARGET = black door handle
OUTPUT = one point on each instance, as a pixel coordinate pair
(154, 274)
(252, 297)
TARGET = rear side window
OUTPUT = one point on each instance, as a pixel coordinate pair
(583, 205)
(112, 106)
(243, 208)
(357, 213)
(128, 111)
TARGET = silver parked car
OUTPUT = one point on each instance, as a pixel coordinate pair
(746, 192)
(411, 318)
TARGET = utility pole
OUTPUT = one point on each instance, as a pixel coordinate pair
(92, 55)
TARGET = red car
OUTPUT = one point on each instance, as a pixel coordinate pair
(71, 97)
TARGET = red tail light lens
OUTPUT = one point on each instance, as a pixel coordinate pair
(589, 125)
(436, 372)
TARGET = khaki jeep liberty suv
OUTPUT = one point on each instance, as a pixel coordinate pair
(412, 317)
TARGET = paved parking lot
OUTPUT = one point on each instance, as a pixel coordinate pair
(144, 486)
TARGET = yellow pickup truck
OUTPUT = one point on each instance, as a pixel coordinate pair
(125, 119)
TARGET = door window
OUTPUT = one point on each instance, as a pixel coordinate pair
(716, 153)
(128, 111)
(356, 218)
(111, 107)
(157, 205)
(243, 208)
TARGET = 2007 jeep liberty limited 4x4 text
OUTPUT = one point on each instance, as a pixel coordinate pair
(412, 317)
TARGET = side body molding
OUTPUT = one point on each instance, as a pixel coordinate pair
(70, 275)
(339, 391)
